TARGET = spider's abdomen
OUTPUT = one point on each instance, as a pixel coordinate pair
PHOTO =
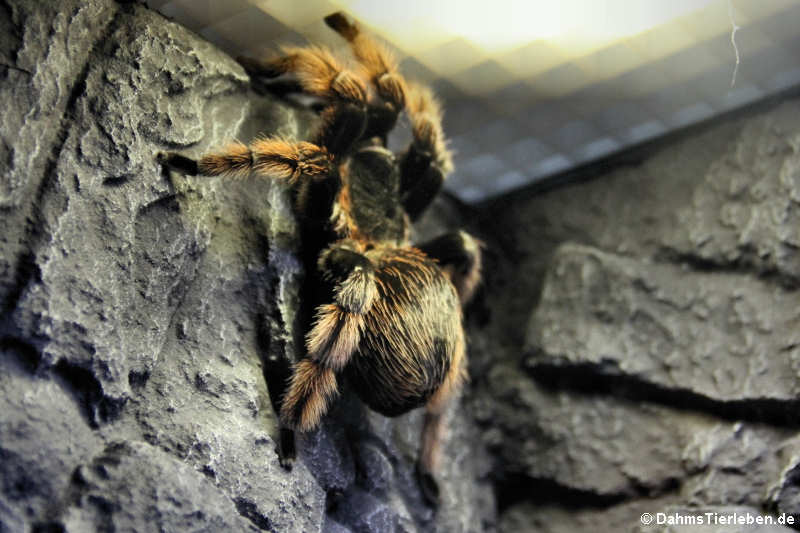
(411, 334)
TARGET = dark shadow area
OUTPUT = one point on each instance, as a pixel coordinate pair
(589, 379)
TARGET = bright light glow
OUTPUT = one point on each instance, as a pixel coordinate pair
(503, 25)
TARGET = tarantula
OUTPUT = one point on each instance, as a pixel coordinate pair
(387, 314)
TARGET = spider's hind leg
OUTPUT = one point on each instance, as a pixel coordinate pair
(433, 428)
(459, 256)
(334, 337)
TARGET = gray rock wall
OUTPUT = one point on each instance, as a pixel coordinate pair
(657, 310)
(143, 315)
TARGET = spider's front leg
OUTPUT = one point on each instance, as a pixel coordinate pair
(434, 426)
(333, 338)
(311, 166)
(426, 163)
(315, 68)
(273, 158)
(343, 123)
(378, 61)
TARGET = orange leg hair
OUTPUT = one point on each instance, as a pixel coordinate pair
(378, 61)
(319, 72)
(273, 158)
(332, 340)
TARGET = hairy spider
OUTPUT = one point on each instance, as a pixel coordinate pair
(387, 315)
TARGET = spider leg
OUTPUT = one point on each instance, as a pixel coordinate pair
(272, 158)
(353, 273)
(378, 61)
(318, 71)
(311, 390)
(264, 68)
(333, 338)
(427, 161)
(459, 256)
(433, 429)
(312, 166)
(342, 127)
(309, 167)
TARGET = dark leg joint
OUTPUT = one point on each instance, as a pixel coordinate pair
(428, 485)
(339, 23)
(459, 254)
(177, 162)
(381, 119)
(344, 126)
(452, 249)
(413, 163)
(338, 263)
(286, 449)
(421, 180)
(257, 67)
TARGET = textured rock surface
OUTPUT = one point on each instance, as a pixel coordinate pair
(143, 314)
(725, 336)
(610, 449)
(657, 307)
(745, 211)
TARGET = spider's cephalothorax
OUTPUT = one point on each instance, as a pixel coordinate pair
(387, 315)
